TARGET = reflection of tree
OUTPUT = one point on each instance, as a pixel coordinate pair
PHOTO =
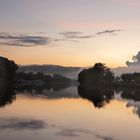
(21, 124)
(7, 95)
(96, 83)
(133, 97)
(44, 92)
(40, 88)
(98, 95)
(131, 93)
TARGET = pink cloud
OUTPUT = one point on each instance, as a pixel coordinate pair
(93, 25)
(129, 2)
(86, 25)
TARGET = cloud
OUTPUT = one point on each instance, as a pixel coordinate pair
(108, 32)
(135, 60)
(23, 40)
(79, 35)
(75, 35)
(21, 124)
(61, 40)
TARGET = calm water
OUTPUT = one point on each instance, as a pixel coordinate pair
(63, 114)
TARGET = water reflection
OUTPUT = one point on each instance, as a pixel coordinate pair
(40, 88)
(50, 114)
(7, 94)
(131, 93)
(100, 96)
(37, 92)
(77, 132)
(21, 124)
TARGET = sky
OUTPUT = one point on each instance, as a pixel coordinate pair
(70, 32)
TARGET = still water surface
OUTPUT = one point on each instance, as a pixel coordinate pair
(62, 114)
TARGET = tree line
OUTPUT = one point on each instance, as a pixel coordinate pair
(101, 75)
(39, 76)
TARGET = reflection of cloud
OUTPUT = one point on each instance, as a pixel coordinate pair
(75, 35)
(104, 138)
(33, 124)
(20, 124)
(68, 133)
(23, 40)
(77, 132)
(108, 32)
(136, 107)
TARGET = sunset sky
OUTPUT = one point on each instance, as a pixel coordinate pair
(70, 32)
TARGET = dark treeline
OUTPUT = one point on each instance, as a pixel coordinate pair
(40, 78)
(100, 75)
(7, 70)
(97, 75)
(128, 79)
(40, 88)
(96, 84)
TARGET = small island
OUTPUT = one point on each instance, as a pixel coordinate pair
(98, 84)
(99, 74)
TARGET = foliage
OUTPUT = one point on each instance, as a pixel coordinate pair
(97, 75)
(131, 78)
(7, 70)
(46, 79)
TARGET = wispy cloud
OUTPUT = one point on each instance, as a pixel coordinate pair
(79, 35)
(75, 35)
(23, 40)
(108, 32)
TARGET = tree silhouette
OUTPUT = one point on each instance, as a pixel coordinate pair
(97, 75)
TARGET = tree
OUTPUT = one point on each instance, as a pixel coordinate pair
(7, 70)
(97, 75)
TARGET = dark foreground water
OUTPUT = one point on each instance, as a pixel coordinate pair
(63, 114)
